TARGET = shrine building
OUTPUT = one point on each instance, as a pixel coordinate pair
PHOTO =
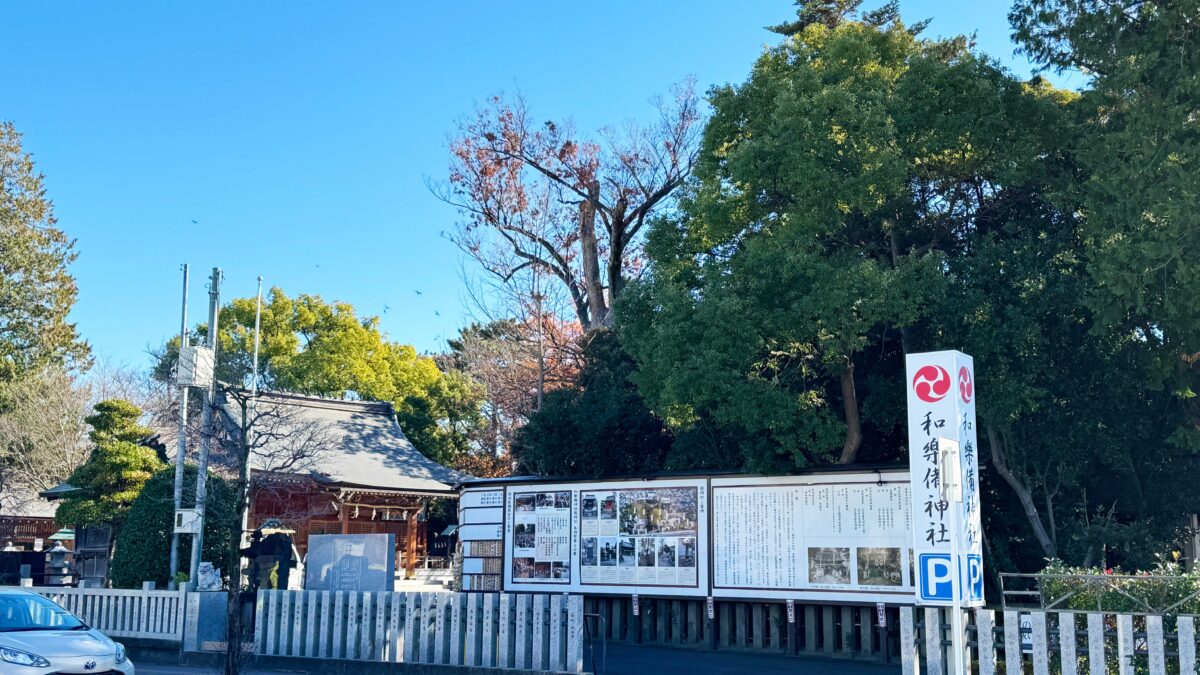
(328, 466)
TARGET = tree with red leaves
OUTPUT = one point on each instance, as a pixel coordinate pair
(532, 194)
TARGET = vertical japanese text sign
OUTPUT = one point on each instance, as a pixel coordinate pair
(941, 404)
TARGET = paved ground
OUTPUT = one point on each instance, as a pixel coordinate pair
(636, 660)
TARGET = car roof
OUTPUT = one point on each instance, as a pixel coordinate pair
(12, 590)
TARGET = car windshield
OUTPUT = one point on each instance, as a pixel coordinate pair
(28, 612)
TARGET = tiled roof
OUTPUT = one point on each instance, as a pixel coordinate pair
(363, 444)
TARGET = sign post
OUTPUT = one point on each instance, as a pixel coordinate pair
(944, 468)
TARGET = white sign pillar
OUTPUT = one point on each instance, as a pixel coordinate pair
(944, 467)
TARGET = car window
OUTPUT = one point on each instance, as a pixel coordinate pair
(26, 611)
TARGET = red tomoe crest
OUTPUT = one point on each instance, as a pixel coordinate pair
(966, 385)
(931, 383)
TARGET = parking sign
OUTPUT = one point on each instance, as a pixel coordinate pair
(944, 469)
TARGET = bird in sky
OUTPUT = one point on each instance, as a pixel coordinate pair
(386, 308)
(418, 292)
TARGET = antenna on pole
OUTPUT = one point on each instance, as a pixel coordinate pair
(257, 340)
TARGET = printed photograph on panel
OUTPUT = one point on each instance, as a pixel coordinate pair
(545, 500)
(591, 505)
(646, 552)
(541, 570)
(608, 552)
(666, 552)
(628, 552)
(562, 500)
(590, 556)
(525, 535)
(662, 511)
(687, 552)
(525, 502)
(608, 507)
(879, 567)
(523, 568)
(559, 570)
(829, 565)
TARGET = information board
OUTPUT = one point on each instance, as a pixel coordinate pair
(648, 537)
(837, 537)
(481, 531)
(644, 536)
(541, 537)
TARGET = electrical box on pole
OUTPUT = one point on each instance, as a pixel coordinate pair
(196, 365)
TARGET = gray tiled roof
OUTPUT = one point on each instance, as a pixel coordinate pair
(25, 503)
(367, 448)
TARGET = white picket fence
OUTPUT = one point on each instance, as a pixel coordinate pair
(124, 613)
(531, 632)
(1059, 643)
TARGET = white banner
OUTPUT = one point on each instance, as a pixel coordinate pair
(947, 535)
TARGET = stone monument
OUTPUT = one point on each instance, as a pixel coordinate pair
(350, 562)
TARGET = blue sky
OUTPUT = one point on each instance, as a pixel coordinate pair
(299, 136)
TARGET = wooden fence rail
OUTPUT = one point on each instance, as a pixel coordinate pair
(497, 630)
(124, 613)
(1051, 643)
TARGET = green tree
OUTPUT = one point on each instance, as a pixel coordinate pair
(1141, 151)
(143, 546)
(311, 346)
(601, 427)
(865, 194)
(36, 290)
(119, 465)
(832, 185)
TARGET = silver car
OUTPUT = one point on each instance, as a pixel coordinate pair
(38, 637)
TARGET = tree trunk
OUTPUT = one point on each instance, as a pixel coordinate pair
(853, 423)
(905, 340)
(590, 251)
(1024, 494)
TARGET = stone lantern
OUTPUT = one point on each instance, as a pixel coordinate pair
(58, 566)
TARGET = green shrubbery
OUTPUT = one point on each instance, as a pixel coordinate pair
(143, 546)
(1164, 588)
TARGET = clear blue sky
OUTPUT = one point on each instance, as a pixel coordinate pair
(300, 135)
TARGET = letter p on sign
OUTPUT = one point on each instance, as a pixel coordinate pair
(935, 577)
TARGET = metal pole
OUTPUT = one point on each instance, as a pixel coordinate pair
(253, 398)
(958, 638)
(206, 423)
(181, 449)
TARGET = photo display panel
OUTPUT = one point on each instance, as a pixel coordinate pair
(825, 537)
(541, 537)
(646, 537)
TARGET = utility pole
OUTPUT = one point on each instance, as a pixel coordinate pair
(181, 450)
(206, 423)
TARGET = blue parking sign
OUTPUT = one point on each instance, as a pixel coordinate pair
(935, 577)
(974, 580)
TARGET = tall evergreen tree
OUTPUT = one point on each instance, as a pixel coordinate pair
(36, 289)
